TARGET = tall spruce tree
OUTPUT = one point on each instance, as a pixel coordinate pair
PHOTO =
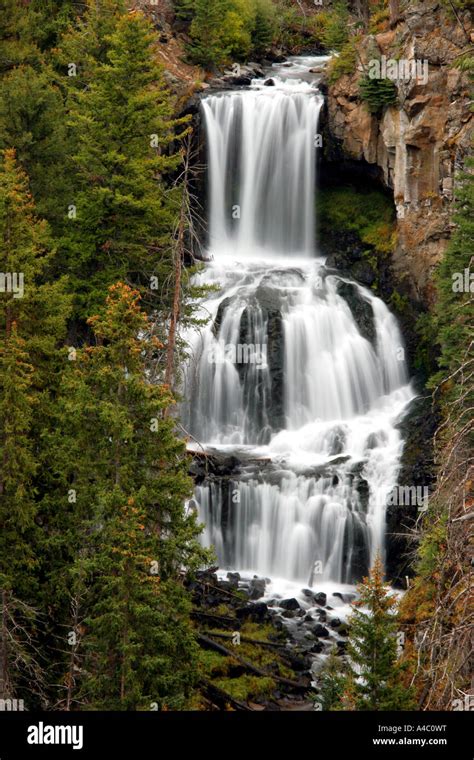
(208, 45)
(125, 537)
(32, 324)
(124, 213)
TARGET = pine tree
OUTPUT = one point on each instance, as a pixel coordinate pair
(33, 122)
(32, 323)
(332, 681)
(377, 675)
(208, 47)
(264, 26)
(124, 214)
(125, 534)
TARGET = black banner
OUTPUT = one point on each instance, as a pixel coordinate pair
(136, 735)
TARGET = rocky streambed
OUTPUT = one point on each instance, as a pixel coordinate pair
(263, 648)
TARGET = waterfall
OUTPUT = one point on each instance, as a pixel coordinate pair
(300, 374)
(262, 170)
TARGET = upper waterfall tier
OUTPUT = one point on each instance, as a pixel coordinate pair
(261, 146)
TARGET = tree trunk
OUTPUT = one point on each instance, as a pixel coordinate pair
(394, 7)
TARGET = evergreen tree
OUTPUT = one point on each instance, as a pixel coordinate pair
(264, 27)
(125, 534)
(32, 324)
(208, 46)
(377, 675)
(453, 316)
(332, 681)
(33, 122)
(124, 130)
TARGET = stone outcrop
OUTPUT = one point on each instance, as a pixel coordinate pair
(419, 144)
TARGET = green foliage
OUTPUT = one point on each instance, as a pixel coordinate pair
(247, 687)
(223, 31)
(335, 32)
(125, 534)
(264, 28)
(377, 675)
(32, 322)
(123, 129)
(32, 120)
(332, 680)
(344, 62)
(377, 94)
(209, 47)
(369, 215)
(454, 317)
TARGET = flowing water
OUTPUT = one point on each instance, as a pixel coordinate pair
(300, 375)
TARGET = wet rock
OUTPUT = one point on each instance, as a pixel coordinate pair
(361, 309)
(257, 588)
(233, 579)
(257, 612)
(320, 631)
(320, 598)
(335, 623)
(364, 272)
(347, 598)
(297, 661)
(289, 604)
(269, 83)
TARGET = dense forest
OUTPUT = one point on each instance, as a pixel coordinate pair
(104, 593)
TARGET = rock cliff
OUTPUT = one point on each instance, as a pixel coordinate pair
(419, 144)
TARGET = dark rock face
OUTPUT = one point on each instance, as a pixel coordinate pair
(267, 301)
(417, 470)
(361, 309)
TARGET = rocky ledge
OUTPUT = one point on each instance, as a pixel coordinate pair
(417, 145)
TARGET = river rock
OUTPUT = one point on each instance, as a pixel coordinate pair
(289, 604)
(320, 631)
(257, 588)
(320, 598)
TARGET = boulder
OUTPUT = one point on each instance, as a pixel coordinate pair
(320, 631)
(289, 604)
(257, 588)
(320, 598)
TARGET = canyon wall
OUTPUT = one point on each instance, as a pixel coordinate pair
(419, 144)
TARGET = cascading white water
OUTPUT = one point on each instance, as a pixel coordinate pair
(262, 169)
(308, 398)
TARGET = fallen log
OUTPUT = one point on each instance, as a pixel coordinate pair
(247, 640)
(221, 619)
